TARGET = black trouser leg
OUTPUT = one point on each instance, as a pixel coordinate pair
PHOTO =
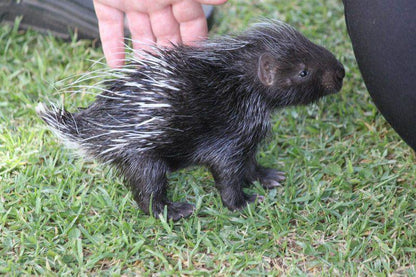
(383, 35)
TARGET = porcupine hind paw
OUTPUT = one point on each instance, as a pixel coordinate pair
(270, 178)
(238, 203)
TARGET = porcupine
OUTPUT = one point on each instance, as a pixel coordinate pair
(207, 104)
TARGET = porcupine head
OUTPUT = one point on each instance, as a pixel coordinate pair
(207, 104)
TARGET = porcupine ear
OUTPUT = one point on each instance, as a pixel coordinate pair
(266, 69)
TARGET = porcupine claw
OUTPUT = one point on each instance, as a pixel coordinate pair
(270, 178)
(178, 210)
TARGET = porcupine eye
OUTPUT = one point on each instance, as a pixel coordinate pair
(303, 73)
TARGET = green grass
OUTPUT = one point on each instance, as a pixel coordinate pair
(348, 206)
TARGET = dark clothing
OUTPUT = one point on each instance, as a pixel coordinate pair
(383, 35)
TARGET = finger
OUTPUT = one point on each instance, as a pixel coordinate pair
(194, 31)
(111, 28)
(212, 2)
(141, 30)
(165, 27)
(192, 21)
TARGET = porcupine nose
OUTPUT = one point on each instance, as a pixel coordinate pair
(340, 72)
(332, 79)
(338, 77)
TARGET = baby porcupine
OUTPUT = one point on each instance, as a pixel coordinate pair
(208, 105)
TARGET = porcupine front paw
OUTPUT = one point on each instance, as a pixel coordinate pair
(177, 210)
(270, 178)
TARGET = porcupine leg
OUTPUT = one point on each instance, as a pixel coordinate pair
(230, 181)
(147, 178)
(268, 177)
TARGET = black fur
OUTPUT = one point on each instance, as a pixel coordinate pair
(204, 105)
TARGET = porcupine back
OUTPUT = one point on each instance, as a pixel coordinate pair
(130, 109)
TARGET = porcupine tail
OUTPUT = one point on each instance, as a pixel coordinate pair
(62, 124)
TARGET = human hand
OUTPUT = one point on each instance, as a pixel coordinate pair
(150, 21)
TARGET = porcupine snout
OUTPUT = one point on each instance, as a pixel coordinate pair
(333, 78)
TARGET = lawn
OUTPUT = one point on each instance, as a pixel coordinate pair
(348, 206)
